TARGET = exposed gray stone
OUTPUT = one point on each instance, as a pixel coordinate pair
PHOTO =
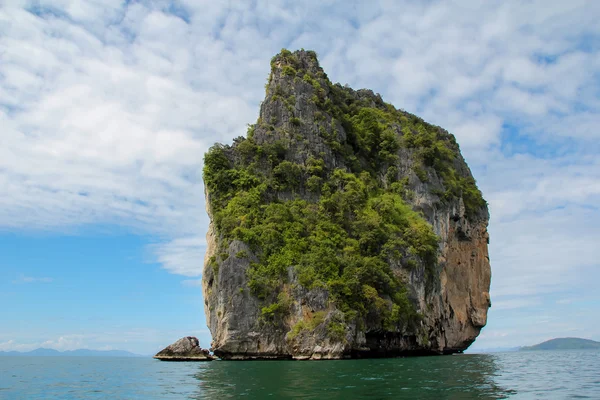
(185, 349)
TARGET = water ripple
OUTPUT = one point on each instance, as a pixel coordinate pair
(523, 375)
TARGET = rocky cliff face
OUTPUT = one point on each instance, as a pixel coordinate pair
(341, 227)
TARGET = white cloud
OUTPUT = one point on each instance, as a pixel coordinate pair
(11, 345)
(510, 304)
(31, 279)
(61, 343)
(140, 341)
(182, 256)
(105, 115)
(67, 342)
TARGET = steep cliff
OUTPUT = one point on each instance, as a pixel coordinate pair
(341, 227)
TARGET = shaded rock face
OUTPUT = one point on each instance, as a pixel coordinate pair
(185, 349)
(449, 295)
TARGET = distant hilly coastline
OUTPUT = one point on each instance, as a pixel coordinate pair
(564, 344)
(41, 352)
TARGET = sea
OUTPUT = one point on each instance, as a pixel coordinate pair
(515, 375)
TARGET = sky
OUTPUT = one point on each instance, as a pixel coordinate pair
(107, 107)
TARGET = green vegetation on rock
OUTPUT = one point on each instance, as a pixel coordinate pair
(343, 226)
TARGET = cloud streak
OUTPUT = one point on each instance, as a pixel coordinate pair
(30, 279)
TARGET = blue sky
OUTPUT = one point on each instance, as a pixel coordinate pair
(107, 107)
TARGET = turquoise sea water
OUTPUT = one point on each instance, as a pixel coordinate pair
(525, 375)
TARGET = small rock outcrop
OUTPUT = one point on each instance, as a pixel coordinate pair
(185, 349)
(341, 227)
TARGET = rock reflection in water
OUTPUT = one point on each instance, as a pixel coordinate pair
(449, 377)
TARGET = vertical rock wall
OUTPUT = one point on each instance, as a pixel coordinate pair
(452, 299)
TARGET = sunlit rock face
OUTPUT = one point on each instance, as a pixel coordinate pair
(341, 227)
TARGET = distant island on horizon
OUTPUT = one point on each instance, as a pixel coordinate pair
(568, 343)
(42, 352)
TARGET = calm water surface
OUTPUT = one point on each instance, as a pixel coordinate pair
(526, 375)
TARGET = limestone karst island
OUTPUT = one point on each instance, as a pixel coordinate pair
(341, 227)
